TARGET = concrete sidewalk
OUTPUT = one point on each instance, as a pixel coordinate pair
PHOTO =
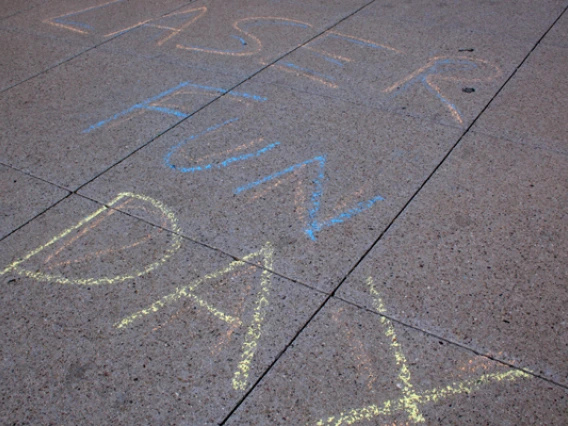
(284, 213)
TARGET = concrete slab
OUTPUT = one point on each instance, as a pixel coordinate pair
(74, 122)
(532, 108)
(448, 76)
(22, 197)
(237, 41)
(112, 320)
(480, 256)
(25, 55)
(89, 21)
(320, 182)
(351, 367)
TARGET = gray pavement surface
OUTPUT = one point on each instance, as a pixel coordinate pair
(277, 212)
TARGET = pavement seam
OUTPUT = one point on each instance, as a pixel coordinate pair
(69, 193)
(34, 176)
(452, 342)
(84, 51)
(18, 12)
(199, 243)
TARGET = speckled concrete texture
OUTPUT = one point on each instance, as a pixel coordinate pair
(519, 19)
(30, 54)
(11, 8)
(531, 109)
(339, 212)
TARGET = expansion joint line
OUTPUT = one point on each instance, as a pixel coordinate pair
(411, 399)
